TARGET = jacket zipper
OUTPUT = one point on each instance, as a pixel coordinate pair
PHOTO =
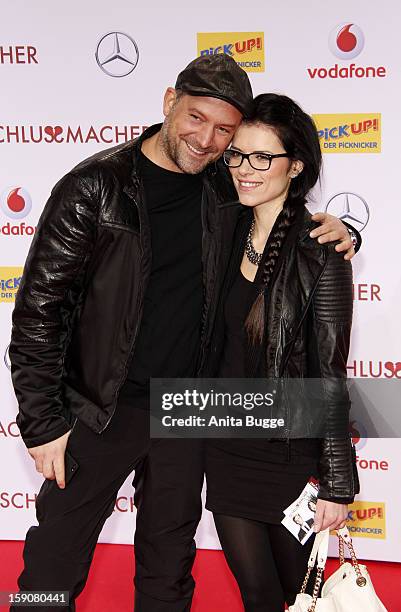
(300, 322)
(135, 334)
(216, 244)
(204, 272)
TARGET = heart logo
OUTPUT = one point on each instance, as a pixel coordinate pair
(53, 132)
(395, 368)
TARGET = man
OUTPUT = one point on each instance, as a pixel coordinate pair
(119, 285)
(305, 526)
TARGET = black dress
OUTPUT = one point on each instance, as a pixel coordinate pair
(255, 479)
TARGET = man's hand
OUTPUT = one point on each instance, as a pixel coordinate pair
(330, 515)
(331, 230)
(49, 459)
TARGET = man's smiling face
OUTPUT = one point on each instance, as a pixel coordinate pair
(196, 130)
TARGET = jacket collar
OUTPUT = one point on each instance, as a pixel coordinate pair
(136, 152)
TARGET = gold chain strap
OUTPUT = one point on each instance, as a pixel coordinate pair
(316, 589)
(305, 582)
(361, 581)
(341, 551)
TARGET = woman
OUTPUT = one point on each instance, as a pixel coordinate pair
(285, 311)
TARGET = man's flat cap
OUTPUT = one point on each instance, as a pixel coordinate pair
(217, 76)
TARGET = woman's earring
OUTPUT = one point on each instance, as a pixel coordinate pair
(296, 171)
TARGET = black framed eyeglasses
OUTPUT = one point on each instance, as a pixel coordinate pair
(258, 160)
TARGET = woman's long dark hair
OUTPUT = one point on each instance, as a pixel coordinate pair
(298, 135)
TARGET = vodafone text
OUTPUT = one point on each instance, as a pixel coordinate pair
(347, 72)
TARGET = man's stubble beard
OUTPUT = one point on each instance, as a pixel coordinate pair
(170, 146)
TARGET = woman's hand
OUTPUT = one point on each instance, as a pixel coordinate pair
(330, 515)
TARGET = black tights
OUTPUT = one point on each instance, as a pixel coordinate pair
(268, 562)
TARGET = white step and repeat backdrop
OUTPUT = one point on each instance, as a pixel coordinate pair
(62, 100)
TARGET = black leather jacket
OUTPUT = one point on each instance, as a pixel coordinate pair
(308, 320)
(79, 305)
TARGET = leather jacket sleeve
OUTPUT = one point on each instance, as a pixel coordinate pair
(332, 315)
(45, 304)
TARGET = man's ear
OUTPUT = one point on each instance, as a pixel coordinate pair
(169, 100)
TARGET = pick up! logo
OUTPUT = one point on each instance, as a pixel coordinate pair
(10, 278)
(349, 132)
(247, 48)
(367, 520)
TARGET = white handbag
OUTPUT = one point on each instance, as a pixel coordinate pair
(349, 589)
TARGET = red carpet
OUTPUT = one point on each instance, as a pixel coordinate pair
(109, 585)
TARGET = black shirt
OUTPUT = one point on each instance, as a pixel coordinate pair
(168, 339)
(236, 309)
(238, 303)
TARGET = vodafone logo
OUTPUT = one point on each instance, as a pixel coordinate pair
(346, 41)
(16, 202)
(359, 434)
(372, 464)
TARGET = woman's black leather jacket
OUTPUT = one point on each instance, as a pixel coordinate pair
(308, 322)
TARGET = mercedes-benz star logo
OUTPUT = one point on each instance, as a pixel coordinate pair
(117, 54)
(351, 207)
(7, 358)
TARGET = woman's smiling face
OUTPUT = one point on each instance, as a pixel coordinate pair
(257, 187)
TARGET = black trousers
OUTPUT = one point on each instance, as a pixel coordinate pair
(168, 482)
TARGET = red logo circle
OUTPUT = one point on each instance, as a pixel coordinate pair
(16, 202)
